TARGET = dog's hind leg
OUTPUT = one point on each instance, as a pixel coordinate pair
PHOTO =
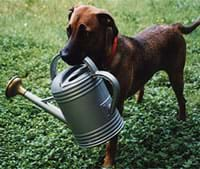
(139, 95)
(177, 82)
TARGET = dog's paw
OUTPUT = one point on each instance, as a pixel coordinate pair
(113, 167)
(108, 166)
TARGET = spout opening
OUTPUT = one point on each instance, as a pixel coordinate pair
(14, 87)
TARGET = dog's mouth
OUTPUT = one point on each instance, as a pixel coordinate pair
(72, 58)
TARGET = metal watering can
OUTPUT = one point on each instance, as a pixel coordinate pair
(84, 101)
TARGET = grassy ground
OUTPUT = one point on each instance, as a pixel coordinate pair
(32, 31)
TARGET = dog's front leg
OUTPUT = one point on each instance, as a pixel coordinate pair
(111, 146)
(111, 149)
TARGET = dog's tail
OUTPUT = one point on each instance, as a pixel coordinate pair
(187, 29)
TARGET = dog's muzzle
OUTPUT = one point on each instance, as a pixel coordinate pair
(64, 53)
(71, 54)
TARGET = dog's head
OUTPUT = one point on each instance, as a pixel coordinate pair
(90, 32)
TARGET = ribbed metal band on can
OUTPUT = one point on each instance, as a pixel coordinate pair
(73, 86)
(102, 134)
(75, 93)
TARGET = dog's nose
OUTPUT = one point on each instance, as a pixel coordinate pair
(64, 53)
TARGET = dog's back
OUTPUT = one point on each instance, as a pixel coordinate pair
(163, 46)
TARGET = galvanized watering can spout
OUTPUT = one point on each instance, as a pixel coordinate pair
(14, 87)
(84, 101)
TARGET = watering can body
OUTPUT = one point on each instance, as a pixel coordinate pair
(84, 101)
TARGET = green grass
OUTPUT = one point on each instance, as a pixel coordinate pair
(33, 31)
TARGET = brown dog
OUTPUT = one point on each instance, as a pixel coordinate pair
(92, 32)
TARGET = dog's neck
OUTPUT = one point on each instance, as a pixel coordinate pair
(114, 57)
(113, 51)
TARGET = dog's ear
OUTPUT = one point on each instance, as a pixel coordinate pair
(70, 11)
(107, 20)
(111, 30)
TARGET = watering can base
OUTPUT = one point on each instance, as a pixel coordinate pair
(102, 134)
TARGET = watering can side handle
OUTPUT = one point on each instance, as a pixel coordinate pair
(53, 66)
(115, 86)
(90, 64)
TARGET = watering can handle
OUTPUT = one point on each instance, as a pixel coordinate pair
(53, 66)
(115, 86)
(107, 76)
(90, 64)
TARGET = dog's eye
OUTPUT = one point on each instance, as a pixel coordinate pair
(69, 31)
(84, 35)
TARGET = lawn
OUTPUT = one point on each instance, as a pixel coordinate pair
(33, 31)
